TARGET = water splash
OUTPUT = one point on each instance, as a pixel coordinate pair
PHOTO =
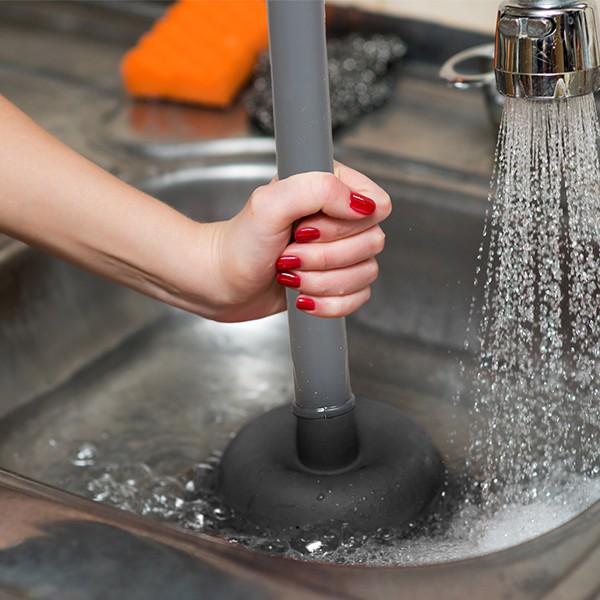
(538, 379)
(458, 529)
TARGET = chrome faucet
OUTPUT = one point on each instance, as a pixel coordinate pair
(547, 49)
(544, 49)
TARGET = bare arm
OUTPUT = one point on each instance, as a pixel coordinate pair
(53, 198)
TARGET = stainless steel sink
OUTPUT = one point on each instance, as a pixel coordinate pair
(84, 361)
(88, 361)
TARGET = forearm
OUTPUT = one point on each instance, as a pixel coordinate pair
(53, 198)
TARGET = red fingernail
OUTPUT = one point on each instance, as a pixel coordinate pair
(288, 262)
(307, 234)
(303, 303)
(361, 204)
(289, 279)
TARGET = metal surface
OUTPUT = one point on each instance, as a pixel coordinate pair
(547, 50)
(159, 365)
(455, 72)
(78, 351)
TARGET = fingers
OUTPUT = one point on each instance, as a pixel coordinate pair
(337, 235)
(340, 205)
(330, 293)
(366, 199)
(338, 282)
(333, 306)
(333, 255)
(331, 262)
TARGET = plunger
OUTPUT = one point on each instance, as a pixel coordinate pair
(332, 457)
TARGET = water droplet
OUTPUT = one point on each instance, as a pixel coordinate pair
(85, 455)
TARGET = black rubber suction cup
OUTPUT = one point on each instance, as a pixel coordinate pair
(386, 480)
(328, 457)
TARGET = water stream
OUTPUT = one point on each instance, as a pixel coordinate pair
(538, 377)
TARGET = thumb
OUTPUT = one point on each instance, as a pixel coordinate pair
(285, 201)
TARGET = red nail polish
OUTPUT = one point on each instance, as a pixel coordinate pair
(307, 234)
(304, 303)
(361, 204)
(289, 279)
(288, 262)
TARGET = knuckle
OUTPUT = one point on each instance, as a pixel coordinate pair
(361, 297)
(324, 259)
(381, 239)
(337, 308)
(331, 185)
(258, 197)
(377, 241)
(316, 284)
(260, 203)
(325, 186)
(373, 270)
(322, 286)
(385, 205)
(338, 230)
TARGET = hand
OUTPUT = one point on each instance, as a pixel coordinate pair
(331, 262)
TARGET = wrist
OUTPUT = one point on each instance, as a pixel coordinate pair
(182, 269)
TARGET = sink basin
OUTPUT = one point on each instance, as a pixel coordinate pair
(108, 366)
(90, 365)
(94, 375)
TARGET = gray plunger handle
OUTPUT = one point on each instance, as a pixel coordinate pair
(303, 141)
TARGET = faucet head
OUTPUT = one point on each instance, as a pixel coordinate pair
(547, 49)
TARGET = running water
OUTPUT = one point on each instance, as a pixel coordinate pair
(538, 382)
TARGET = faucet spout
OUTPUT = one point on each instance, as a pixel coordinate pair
(547, 49)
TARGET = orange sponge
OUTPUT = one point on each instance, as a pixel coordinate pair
(201, 51)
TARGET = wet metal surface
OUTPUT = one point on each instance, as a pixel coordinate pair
(83, 359)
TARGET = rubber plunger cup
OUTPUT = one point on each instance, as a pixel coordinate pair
(331, 457)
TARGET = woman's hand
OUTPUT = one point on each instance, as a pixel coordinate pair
(331, 261)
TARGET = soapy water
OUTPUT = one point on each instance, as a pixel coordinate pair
(532, 459)
(458, 528)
